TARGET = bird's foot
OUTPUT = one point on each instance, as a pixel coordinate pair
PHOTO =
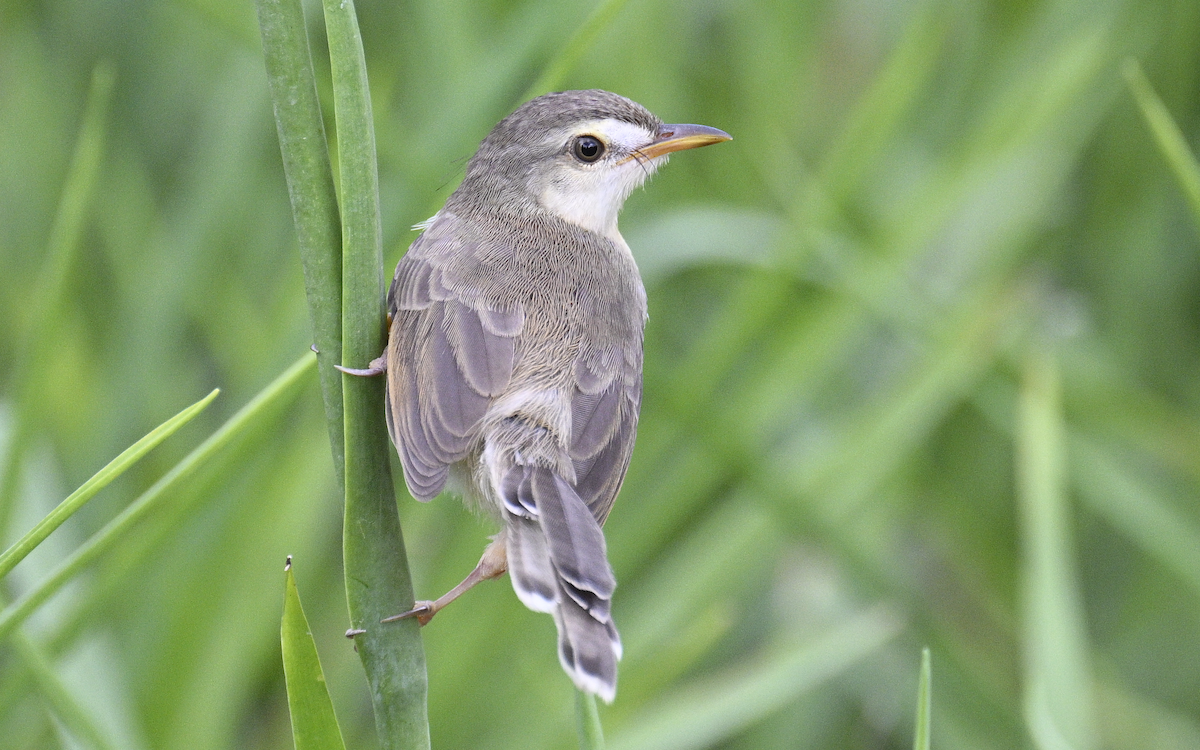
(377, 366)
(493, 563)
(423, 611)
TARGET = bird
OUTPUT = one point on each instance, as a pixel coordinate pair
(514, 355)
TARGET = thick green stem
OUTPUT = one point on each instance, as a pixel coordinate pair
(587, 722)
(313, 195)
(376, 567)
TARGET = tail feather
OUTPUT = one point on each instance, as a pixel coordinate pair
(576, 541)
(587, 649)
(529, 565)
(558, 563)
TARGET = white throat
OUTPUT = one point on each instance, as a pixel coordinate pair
(592, 197)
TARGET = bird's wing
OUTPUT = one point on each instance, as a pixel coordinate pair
(604, 415)
(448, 357)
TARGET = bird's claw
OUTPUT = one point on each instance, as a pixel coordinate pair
(377, 366)
(423, 611)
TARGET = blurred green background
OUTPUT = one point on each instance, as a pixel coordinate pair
(922, 368)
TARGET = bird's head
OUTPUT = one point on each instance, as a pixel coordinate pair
(577, 155)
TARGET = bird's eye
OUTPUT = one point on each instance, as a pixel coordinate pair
(588, 148)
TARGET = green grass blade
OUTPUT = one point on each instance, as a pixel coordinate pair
(59, 700)
(924, 703)
(1167, 135)
(313, 196)
(282, 388)
(1117, 493)
(314, 724)
(60, 253)
(892, 94)
(378, 583)
(1132, 720)
(1058, 683)
(587, 722)
(99, 480)
(555, 72)
(704, 714)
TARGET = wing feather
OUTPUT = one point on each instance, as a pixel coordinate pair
(484, 358)
(604, 425)
(448, 357)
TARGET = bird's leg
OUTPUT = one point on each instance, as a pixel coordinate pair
(377, 366)
(493, 563)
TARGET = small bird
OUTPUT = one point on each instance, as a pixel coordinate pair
(514, 357)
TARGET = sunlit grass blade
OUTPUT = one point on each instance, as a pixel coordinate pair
(99, 480)
(47, 300)
(921, 733)
(312, 192)
(587, 722)
(1058, 684)
(378, 583)
(1167, 135)
(282, 388)
(705, 713)
(314, 724)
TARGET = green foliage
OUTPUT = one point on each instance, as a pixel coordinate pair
(1058, 681)
(98, 481)
(922, 735)
(921, 368)
(587, 721)
(314, 726)
(1170, 141)
(305, 150)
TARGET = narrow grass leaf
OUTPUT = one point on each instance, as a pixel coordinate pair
(98, 481)
(1167, 135)
(892, 94)
(1058, 684)
(1126, 500)
(587, 722)
(378, 583)
(47, 298)
(281, 389)
(921, 734)
(314, 724)
(311, 189)
(705, 714)
(59, 700)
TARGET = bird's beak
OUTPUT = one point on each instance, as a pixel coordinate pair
(678, 137)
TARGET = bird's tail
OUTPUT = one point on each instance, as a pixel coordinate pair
(558, 563)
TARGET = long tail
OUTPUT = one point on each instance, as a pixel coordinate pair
(558, 563)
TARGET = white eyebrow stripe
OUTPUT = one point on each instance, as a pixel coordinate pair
(625, 136)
